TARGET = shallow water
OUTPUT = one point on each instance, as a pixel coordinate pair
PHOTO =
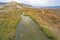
(27, 29)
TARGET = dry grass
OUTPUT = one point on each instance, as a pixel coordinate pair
(48, 19)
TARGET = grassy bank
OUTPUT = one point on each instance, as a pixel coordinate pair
(48, 32)
(8, 21)
(41, 23)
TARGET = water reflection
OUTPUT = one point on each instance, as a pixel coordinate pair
(27, 29)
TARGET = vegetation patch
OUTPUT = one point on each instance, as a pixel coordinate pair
(46, 31)
(8, 21)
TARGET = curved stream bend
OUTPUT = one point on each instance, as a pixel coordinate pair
(27, 29)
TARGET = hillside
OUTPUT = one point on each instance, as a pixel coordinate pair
(48, 19)
(9, 17)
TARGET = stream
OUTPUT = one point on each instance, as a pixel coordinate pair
(27, 29)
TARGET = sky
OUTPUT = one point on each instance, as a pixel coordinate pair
(37, 2)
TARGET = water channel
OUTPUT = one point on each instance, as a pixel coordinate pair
(27, 29)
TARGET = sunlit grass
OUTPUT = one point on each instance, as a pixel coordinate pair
(8, 22)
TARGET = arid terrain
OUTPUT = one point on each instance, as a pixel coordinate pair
(48, 20)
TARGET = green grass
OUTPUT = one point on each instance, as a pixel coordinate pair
(48, 32)
(8, 22)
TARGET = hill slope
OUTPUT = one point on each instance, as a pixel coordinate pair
(9, 17)
(47, 18)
